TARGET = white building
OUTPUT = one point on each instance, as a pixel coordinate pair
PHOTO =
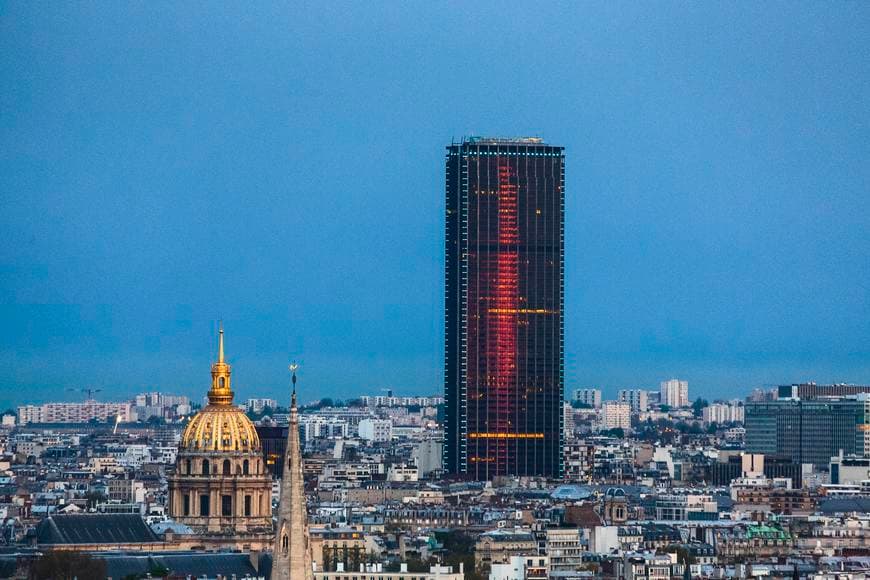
(568, 420)
(376, 572)
(398, 472)
(520, 568)
(75, 412)
(391, 401)
(588, 396)
(615, 415)
(675, 393)
(258, 405)
(636, 398)
(427, 456)
(565, 549)
(376, 430)
(317, 427)
(723, 413)
(850, 469)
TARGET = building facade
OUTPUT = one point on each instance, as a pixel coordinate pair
(504, 295)
(84, 412)
(376, 430)
(590, 397)
(808, 431)
(616, 415)
(675, 393)
(636, 398)
(723, 413)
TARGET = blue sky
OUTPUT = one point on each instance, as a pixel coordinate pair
(165, 165)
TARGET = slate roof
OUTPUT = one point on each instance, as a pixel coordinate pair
(94, 529)
(845, 505)
(194, 565)
(659, 532)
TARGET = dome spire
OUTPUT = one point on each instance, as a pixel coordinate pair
(221, 343)
(220, 392)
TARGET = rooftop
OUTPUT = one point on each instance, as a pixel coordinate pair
(478, 140)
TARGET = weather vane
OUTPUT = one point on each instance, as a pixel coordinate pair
(293, 366)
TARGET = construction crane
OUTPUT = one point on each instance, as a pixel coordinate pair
(89, 391)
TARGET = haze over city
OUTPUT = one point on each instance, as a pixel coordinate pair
(283, 170)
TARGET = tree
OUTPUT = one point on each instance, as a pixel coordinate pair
(711, 428)
(580, 405)
(698, 405)
(664, 408)
(66, 565)
(459, 548)
(617, 432)
(158, 571)
(417, 565)
(93, 498)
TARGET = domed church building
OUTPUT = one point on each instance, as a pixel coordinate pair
(221, 485)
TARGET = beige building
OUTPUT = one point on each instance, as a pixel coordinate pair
(616, 415)
(498, 546)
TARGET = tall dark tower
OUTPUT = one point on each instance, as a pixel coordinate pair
(504, 361)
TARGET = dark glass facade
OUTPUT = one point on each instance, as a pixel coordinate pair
(504, 363)
(810, 431)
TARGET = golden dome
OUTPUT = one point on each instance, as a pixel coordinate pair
(221, 426)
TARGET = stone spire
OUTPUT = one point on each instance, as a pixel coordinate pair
(291, 554)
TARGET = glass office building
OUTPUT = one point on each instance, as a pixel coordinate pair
(808, 431)
(504, 363)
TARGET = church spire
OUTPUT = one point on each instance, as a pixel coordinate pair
(291, 553)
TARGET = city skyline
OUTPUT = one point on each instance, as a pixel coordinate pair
(716, 206)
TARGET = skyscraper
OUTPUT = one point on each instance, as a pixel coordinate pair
(504, 363)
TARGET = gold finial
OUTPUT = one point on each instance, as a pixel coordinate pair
(221, 343)
(220, 393)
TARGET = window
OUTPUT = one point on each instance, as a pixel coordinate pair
(222, 381)
(227, 467)
(245, 467)
(188, 464)
(205, 467)
(204, 505)
(247, 505)
(186, 510)
(226, 505)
